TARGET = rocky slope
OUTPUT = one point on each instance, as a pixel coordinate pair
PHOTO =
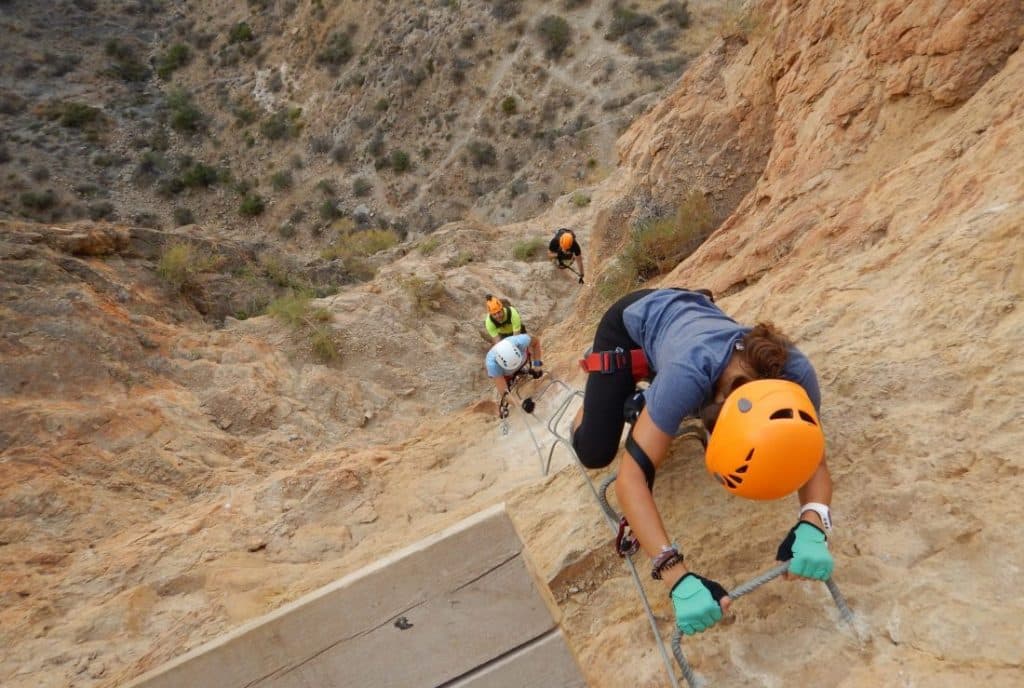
(163, 480)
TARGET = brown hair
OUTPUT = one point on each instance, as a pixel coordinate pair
(766, 350)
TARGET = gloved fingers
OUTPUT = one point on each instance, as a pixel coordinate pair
(823, 572)
(688, 629)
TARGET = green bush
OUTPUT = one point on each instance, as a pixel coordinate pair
(181, 262)
(508, 105)
(329, 210)
(361, 186)
(399, 161)
(197, 174)
(127, 65)
(482, 153)
(77, 115)
(183, 216)
(252, 205)
(656, 246)
(177, 56)
(337, 51)
(580, 200)
(429, 245)
(281, 180)
(283, 124)
(555, 34)
(625, 21)
(676, 11)
(322, 343)
(371, 241)
(292, 308)
(184, 115)
(39, 200)
(528, 249)
(240, 33)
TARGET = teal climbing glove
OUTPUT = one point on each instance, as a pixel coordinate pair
(807, 552)
(696, 601)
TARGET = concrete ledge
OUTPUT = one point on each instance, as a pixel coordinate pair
(461, 608)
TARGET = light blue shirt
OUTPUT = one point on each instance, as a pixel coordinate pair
(688, 341)
(522, 342)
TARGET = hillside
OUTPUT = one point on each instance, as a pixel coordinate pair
(170, 470)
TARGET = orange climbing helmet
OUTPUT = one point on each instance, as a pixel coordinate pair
(566, 240)
(494, 305)
(767, 442)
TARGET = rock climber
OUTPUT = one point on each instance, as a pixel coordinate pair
(510, 357)
(502, 319)
(562, 247)
(759, 398)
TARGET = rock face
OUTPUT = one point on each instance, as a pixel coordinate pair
(162, 481)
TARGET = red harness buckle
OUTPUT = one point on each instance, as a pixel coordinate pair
(608, 362)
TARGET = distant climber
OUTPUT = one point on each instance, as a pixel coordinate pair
(563, 247)
(758, 396)
(511, 357)
(502, 319)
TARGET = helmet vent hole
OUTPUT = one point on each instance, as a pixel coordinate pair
(739, 480)
(750, 455)
(807, 417)
(728, 481)
(742, 469)
(781, 413)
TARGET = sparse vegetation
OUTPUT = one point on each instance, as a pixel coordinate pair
(361, 244)
(528, 249)
(181, 262)
(322, 343)
(283, 124)
(580, 199)
(508, 105)
(657, 245)
(429, 245)
(292, 309)
(425, 295)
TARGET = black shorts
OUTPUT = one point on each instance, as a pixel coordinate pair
(596, 440)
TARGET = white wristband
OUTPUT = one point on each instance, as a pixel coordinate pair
(820, 509)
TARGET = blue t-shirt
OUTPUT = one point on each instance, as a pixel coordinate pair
(688, 341)
(522, 342)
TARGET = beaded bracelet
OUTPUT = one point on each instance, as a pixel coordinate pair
(666, 560)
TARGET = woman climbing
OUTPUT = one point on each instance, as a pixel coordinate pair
(757, 394)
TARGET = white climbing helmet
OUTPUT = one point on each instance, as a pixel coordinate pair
(508, 356)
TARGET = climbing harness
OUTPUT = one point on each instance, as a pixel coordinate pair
(626, 544)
